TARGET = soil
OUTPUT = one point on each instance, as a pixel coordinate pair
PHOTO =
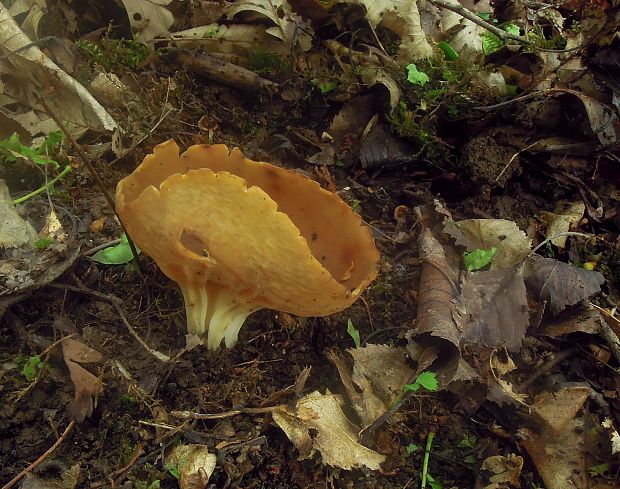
(133, 425)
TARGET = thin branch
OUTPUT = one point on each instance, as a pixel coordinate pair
(469, 15)
(227, 414)
(157, 354)
(34, 464)
(559, 235)
(86, 160)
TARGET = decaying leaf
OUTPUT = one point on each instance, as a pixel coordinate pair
(560, 460)
(14, 231)
(558, 408)
(494, 309)
(289, 27)
(87, 386)
(149, 18)
(376, 378)
(194, 463)
(559, 283)
(512, 244)
(68, 480)
(499, 472)
(500, 390)
(318, 424)
(562, 219)
(30, 73)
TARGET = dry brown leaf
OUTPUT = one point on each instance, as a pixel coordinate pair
(14, 231)
(560, 460)
(493, 306)
(585, 320)
(499, 472)
(512, 244)
(558, 408)
(87, 386)
(318, 423)
(564, 217)
(149, 18)
(559, 283)
(195, 465)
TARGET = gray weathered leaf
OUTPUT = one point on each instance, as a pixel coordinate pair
(559, 283)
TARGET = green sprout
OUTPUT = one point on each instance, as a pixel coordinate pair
(416, 77)
(479, 258)
(426, 477)
(115, 255)
(468, 441)
(354, 333)
(427, 380)
(43, 243)
(412, 448)
(32, 365)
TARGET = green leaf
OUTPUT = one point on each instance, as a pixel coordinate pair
(173, 469)
(43, 243)
(29, 370)
(12, 148)
(468, 441)
(154, 485)
(491, 43)
(353, 333)
(477, 259)
(449, 53)
(326, 87)
(432, 482)
(428, 380)
(484, 15)
(513, 29)
(598, 470)
(115, 255)
(416, 77)
(411, 448)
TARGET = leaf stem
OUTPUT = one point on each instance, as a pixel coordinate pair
(551, 238)
(427, 454)
(66, 170)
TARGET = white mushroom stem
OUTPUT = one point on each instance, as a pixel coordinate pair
(214, 312)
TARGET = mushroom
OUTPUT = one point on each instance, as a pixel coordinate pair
(239, 235)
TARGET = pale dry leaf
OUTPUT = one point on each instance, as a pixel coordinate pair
(494, 309)
(149, 18)
(28, 74)
(560, 460)
(511, 243)
(195, 465)
(559, 283)
(500, 472)
(14, 231)
(87, 386)
(559, 407)
(562, 219)
(289, 26)
(403, 18)
(318, 423)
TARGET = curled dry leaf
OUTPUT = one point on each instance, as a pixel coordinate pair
(498, 472)
(559, 283)
(195, 465)
(87, 386)
(565, 217)
(335, 438)
(512, 244)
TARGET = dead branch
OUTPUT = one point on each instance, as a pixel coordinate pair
(34, 464)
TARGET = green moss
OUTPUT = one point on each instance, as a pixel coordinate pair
(268, 64)
(114, 53)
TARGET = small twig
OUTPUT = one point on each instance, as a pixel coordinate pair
(84, 290)
(608, 333)
(227, 414)
(546, 367)
(559, 235)
(160, 356)
(86, 160)
(134, 458)
(29, 45)
(34, 464)
(102, 246)
(521, 98)
(512, 158)
(469, 15)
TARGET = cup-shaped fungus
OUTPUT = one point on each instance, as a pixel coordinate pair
(239, 235)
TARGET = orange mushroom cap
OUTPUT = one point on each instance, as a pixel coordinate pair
(239, 235)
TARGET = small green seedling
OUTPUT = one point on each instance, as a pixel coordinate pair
(412, 448)
(432, 482)
(43, 243)
(11, 149)
(353, 333)
(428, 380)
(598, 470)
(448, 51)
(468, 441)
(416, 77)
(173, 469)
(115, 255)
(31, 367)
(325, 87)
(477, 259)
